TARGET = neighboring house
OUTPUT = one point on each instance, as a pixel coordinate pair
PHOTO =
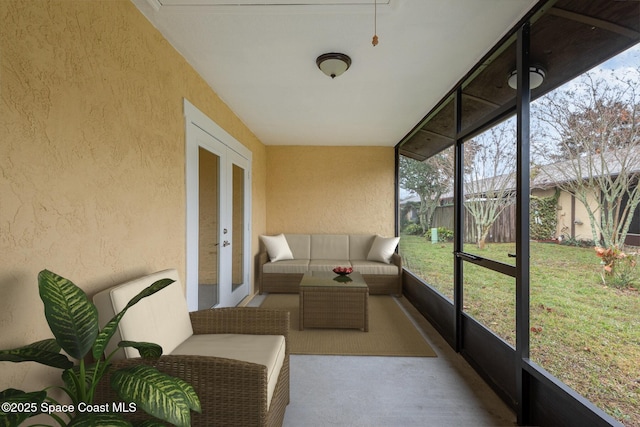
(573, 219)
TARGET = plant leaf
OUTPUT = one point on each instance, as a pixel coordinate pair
(148, 350)
(150, 423)
(157, 393)
(46, 352)
(110, 328)
(99, 419)
(190, 394)
(11, 395)
(70, 383)
(73, 319)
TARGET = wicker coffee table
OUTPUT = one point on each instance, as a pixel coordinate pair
(331, 301)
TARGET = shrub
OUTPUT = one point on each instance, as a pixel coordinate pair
(413, 229)
(618, 268)
(580, 243)
(544, 217)
(444, 234)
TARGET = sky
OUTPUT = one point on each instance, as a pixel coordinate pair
(620, 66)
(629, 58)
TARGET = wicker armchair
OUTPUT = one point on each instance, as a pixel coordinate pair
(232, 392)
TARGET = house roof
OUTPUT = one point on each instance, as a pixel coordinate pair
(610, 163)
(551, 175)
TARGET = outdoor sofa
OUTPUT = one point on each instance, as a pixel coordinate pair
(285, 258)
(237, 359)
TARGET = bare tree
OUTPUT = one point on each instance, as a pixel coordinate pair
(590, 139)
(429, 180)
(489, 183)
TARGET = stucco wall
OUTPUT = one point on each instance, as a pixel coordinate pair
(568, 212)
(92, 146)
(330, 190)
(567, 215)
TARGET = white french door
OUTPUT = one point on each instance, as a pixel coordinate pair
(218, 215)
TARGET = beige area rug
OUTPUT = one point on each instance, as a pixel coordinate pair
(391, 333)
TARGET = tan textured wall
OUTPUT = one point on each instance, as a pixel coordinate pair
(92, 180)
(582, 229)
(330, 189)
(566, 216)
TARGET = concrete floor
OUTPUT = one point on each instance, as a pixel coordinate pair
(392, 391)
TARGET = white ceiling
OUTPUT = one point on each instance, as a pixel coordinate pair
(259, 56)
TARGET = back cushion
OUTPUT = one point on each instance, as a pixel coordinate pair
(162, 318)
(360, 245)
(330, 246)
(300, 245)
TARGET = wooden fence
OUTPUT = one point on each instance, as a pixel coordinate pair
(503, 229)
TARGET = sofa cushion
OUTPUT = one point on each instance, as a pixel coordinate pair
(288, 266)
(162, 318)
(277, 247)
(374, 267)
(382, 249)
(300, 245)
(266, 350)
(360, 245)
(329, 246)
(327, 264)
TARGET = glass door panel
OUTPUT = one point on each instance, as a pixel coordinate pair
(237, 246)
(218, 219)
(208, 229)
(490, 194)
(490, 298)
(237, 219)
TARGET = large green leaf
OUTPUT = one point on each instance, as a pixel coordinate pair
(73, 319)
(25, 405)
(150, 423)
(147, 350)
(72, 379)
(159, 394)
(190, 394)
(99, 420)
(46, 352)
(110, 328)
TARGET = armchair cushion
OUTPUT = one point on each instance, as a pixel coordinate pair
(267, 350)
(162, 318)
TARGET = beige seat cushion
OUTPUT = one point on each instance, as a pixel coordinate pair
(299, 266)
(266, 350)
(300, 245)
(374, 267)
(329, 246)
(327, 264)
(360, 245)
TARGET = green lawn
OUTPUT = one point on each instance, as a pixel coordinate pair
(584, 333)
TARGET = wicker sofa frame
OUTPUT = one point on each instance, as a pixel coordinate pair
(290, 282)
(231, 392)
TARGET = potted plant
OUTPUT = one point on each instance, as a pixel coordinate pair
(73, 320)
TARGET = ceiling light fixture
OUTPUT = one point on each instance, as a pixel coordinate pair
(536, 77)
(333, 64)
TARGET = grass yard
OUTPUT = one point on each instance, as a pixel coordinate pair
(584, 333)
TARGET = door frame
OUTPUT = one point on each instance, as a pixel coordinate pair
(194, 117)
